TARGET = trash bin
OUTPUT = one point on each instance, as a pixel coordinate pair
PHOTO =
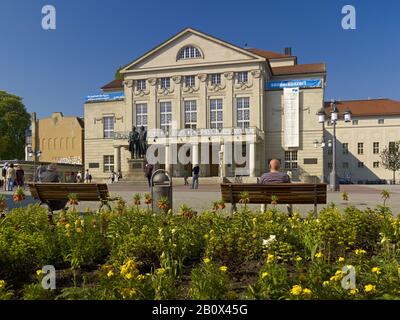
(161, 186)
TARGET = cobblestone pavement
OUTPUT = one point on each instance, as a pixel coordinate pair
(361, 196)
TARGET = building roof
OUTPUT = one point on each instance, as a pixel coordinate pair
(113, 85)
(269, 54)
(299, 69)
(370, 107)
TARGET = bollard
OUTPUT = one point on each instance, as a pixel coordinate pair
(161, 186)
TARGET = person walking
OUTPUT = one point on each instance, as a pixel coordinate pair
(119, 175)
(87, 176)
(148, 171)
(185, 175)
(79, 178)
(10, 176)
(20, 177)
(195, 177)
(112, 177)
(4, 176)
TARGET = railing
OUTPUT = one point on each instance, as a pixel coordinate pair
(179, 133)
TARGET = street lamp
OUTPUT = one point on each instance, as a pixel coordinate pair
(35, 155)
(334, 117)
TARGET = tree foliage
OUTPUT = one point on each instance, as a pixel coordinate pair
(118, 74)
(390, 158)
(14, 121)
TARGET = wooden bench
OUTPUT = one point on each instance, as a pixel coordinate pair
(287, 193)
(47, 192)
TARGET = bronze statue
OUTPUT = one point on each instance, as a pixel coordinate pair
(134, 143)
(143, 142)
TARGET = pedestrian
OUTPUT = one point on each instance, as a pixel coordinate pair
(195, 177)
(185, 176)
(87, 176)
(39, 172)
(10, 176)
(112, 177)
(79, 177)
(148, 171)
(4, 176)
(90, 178)
(20, 176)
(119, 175)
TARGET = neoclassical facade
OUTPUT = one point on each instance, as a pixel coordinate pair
(205, 101)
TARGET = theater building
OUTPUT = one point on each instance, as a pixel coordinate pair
(217, 98)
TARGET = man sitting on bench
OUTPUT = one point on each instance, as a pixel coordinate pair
(276, 176)
(51, 175)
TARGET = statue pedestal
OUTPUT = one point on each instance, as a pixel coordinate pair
(136, 170)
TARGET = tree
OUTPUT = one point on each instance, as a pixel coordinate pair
(390, 158)
(14, 121)
(118, 74)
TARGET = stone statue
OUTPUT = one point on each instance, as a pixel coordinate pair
(134, 143)
(143, 141)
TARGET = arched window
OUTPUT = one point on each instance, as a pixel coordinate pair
(189, 52)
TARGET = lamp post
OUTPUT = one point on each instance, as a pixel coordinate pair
(35, 155)
(334, 117)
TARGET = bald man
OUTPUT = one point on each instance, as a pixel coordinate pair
(274, 175)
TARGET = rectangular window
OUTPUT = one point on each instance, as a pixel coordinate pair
(345, 165)
(141, 115)
(376, 147)
(243, 112)
(165, 116)
(108, 163)
(355, 122)
(361, 164)
(381, 121)
(376, 164)
(108, 127)
(392, 145)
(216, 79)
(190, 114)
(360, 148)
(345, 148)
(216, 120)
(165, 83)
(140, 85)
(242, 77)
(290, 159)
(190, 81)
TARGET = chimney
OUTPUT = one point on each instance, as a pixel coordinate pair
(288, 51)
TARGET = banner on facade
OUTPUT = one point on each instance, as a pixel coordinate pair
(105, 97)
(291, 117)
(299, 83)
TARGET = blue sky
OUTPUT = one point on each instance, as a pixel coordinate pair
(55, 70)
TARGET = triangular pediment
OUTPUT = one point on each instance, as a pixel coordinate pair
(213, 51)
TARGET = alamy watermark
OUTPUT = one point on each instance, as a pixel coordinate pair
(49, 18)
(49, 277)
(349, 20)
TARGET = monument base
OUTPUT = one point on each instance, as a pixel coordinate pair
(136, 170)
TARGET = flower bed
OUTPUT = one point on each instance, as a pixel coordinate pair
(131, 253)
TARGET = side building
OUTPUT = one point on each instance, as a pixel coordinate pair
(375, 126)
(217, 98)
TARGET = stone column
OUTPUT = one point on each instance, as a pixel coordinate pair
(117, 158)
(195, 154)
(167, 159)
(222, 171)
(228, 106)
(252, 159)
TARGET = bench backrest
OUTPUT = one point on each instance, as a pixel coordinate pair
(60, 191)
(287, 193)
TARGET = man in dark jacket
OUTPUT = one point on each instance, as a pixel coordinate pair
(148, 171)
(195, 177)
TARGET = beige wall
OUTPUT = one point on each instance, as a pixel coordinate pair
(367, 132)
(59, 138)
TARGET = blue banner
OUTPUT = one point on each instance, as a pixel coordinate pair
(105, 97)
(300, 83)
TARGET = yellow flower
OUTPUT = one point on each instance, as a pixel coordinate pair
(319, 255)
(160, 271)
(223, 268)
(341, 259)
(353, 292)
(78, 230)
(270, 258)
(264, 274)
(298, 259)
(206, 236)
(140, 277)
(128, 276)
(325, 283)
(39, 272)
(2, 284)
(338, 275)
(67, 226)
(360, 252)
(206, 260)
(254, 220)
(128, 293)
(296, 290)
(376, 270)
(110, 273)
(307, 292)
(369, 288)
